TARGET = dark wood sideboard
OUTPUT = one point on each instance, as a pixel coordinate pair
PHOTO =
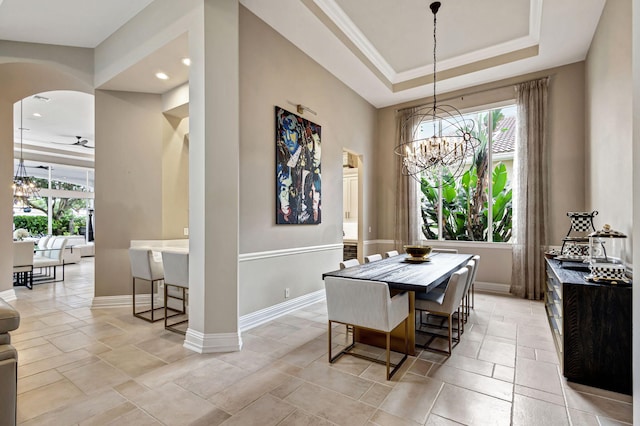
(591, 323)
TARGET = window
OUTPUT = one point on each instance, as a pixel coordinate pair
(66, 195)
(459, 209)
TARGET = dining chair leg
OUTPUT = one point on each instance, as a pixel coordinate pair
(166, 294)
(329, 333)
(450, 334)
(388, 354)
(473, 294)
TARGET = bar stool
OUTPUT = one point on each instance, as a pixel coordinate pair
(176, 275)
(145, 267)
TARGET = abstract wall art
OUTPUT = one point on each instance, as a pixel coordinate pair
(298, 182)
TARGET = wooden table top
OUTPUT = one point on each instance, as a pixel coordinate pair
(403, 275)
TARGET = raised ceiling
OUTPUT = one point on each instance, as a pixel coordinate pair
(381, 49)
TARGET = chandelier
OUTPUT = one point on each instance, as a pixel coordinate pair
(23, 187)
(451, 142)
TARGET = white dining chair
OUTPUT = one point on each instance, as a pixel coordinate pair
(23, 263)
(471, 292)
(145, 267)
(176, 286)
(391, 253)
(52, 257)
(349, 263)
(367, 304)
(450, 304)
(372, 258)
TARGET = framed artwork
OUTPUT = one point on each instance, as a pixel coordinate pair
(298, 182)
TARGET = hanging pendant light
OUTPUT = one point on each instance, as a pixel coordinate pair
(24, 188)
(452, 143)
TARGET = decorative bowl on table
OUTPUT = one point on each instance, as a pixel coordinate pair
(417, 252)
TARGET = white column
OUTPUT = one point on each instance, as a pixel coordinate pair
(214, 179)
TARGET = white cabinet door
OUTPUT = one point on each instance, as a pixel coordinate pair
(350, 198)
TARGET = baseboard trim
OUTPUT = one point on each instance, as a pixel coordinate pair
(254, 319)
(287, 252)
(492, 287)
(212, 343)
(8, 295)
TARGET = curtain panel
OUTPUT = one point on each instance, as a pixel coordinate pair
(407, 203)
(530, 200)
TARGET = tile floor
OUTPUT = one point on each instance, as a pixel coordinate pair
(82, 366)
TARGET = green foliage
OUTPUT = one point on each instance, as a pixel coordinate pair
(465, 201)
(36, 225)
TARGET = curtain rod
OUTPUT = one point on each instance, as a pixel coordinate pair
(472, 93)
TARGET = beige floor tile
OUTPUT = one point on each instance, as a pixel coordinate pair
(298, 418)
(412, 397)
(211, 378)
(501, 372)
(582, 418)
(435, 420)
(502, 329)
(173, 405)
(132, 360)
(383, 418)
(477, 408)
(37, 353)
(420, 367)
(323, 374)
(265, 345)
(474, 382)
(130, 389)
(538, 375)
(72, 341)
(534, 412)
(35, 381)
(248, 389)
(268, 410)
(46, 398)
(553, 398)
(26, 344)
(376, 394)
(330, 405)
(168, 347)
(600, 406)
(212, 418)
(52, 362)
(136, 417)
(525, 352)
(289, 385)
(469, 364)
(93, 378)
(109, 415)
(304, 355)
(547, 356)
(498, 353)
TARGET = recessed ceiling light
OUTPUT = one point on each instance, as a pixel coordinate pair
(162, 76)
(37, 114)
(186, 61)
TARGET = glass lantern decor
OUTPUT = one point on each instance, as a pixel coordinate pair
(606, 256)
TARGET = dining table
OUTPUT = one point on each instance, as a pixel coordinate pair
(403, 273)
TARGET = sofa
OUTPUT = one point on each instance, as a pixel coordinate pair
(9, 321)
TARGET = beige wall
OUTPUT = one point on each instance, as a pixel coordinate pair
(175, 177)
(608, 119)
(128, 204)
(274, 72)
(565, 162)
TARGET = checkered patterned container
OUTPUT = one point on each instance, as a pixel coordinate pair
(607, 272)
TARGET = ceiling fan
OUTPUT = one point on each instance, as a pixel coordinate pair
(82, 142)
